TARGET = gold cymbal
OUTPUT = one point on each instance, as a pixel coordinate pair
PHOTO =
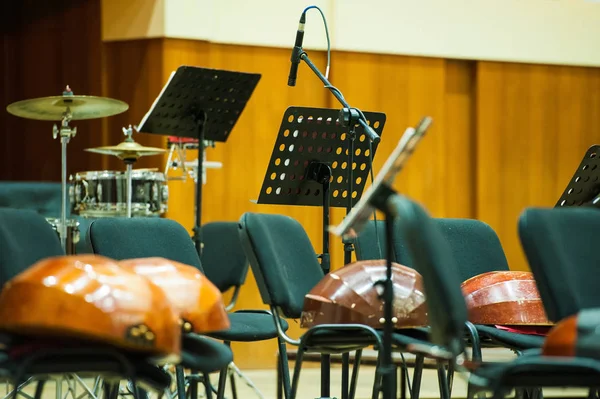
(128, 150)
(80, 107)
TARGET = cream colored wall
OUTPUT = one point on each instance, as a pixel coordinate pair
(561, 32)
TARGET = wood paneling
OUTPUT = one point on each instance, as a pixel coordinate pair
(534, 124)
(132, 72)
(439, 174)
(47, 45)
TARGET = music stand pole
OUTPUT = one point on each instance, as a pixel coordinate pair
(199, 172)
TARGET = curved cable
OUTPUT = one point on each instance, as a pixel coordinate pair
(326, 34)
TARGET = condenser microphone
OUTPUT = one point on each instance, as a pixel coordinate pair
(297, 51)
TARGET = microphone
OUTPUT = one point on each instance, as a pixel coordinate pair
(297, 51)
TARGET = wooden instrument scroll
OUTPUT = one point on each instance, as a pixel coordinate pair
(199, 302)
(508, 298)
(90, 298)
(348, 295)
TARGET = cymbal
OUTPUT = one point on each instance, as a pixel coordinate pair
(53, 108)
(127, 150)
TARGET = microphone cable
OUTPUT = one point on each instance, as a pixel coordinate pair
(326, 34)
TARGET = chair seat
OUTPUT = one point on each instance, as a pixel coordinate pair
(250, 326)
(510, 339)
(534, 370)
(204, 354)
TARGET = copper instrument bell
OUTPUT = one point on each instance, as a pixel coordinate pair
(508, 298)
(349, 295)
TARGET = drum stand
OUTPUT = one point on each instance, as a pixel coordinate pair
(66, 133)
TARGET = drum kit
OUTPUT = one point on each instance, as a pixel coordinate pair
(107, 193)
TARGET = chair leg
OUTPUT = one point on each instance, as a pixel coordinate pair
(194, 384)
(207, 386)
(297, 369)
(279, 377)
(233, 386)
(39, 389)
(325, 376)
(450, 377)
(417, 377)
(285, 369)
(345, 374)
(180, 381)
(442, 380)
(355, 370)
(402, 370)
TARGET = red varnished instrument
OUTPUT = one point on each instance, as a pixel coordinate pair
(198, 301)
(575, 336)
(562, 339)
(91, 298)
(348, 295)
(508, 298)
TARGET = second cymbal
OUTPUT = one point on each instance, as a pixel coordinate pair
(127, 150)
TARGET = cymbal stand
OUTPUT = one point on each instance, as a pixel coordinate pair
(179, 148)
(65, 133)
(129, 161)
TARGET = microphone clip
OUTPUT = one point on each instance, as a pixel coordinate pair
(297, 53)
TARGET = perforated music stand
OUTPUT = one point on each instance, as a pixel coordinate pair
(203, 104)
(584, 187)
(309, 163)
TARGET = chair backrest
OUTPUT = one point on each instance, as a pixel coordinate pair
(129, 238)
(475, 245)
(433, 257)
(223, 258)
(43, 197)
(282, 258)
(25, 238)
(560, 245)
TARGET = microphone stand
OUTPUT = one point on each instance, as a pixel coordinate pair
(350, 117)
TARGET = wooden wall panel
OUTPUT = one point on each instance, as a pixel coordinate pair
(47, 45)
(439, 174)
(534, 124)
(132, 73)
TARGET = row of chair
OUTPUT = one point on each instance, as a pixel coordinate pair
(286, 268)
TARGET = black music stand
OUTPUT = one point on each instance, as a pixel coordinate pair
(584, 187)
(309, 163)
(203, 104)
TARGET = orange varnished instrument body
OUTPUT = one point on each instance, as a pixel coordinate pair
(91, 298)
(198, 301)
(348, 295)
(562, 339)
(509, 298)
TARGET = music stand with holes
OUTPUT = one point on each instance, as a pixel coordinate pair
(309, 164)
(584, 187)
(202, 104)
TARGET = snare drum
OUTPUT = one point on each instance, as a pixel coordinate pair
(72, 233)
(104, 193)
